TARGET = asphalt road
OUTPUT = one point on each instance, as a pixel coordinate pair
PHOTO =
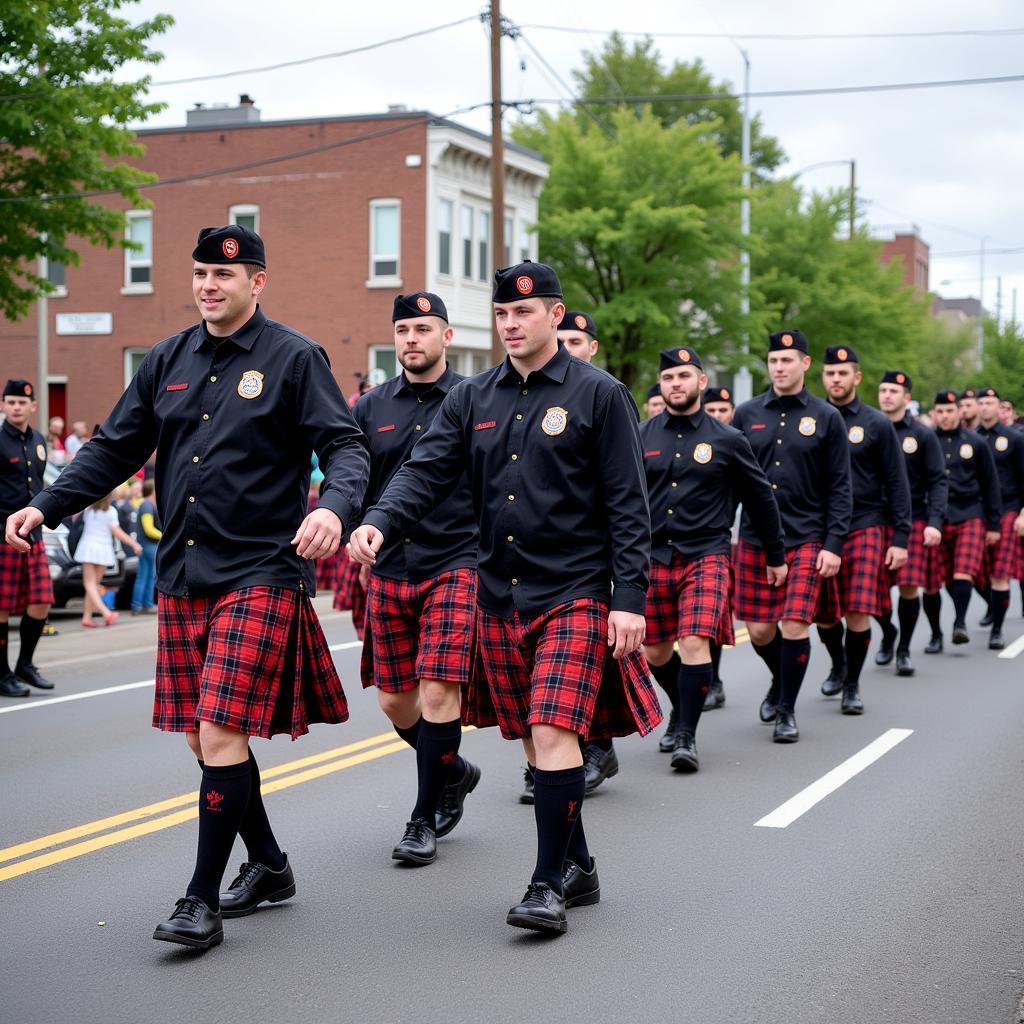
(895, 898)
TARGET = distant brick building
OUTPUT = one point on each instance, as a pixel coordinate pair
(366, 207)
(913, 251)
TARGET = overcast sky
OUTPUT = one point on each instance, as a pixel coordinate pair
(948, 160)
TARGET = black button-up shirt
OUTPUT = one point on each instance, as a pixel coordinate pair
(22, 464)
(881, 491)
(394, 416)
(800, 443)
(971, 474)
(557, 478)
(926, 471)
(1007, 447)
(233, 422)
(698, 470)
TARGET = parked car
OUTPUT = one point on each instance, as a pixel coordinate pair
(66, 573)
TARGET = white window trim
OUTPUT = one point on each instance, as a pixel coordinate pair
(60, 292)
(394, 280)
(128, 353)
(245, 210)
(453, 202)
(139, 288)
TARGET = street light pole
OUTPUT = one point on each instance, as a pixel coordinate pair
(743, 383)
(981, 303)
(42, 351)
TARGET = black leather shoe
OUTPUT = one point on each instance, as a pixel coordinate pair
(684, 754)
(449, 807)
(257, 884)
(904, 666)
(934, 646)
(668, 741)
(769, 706)
(28, 673)
(12, 686)
(884, 654)
(785, 727)
(960, 634)
(986, 620)
(580, 888)
(418, 845)
(542, 910)
(598, 765)
(834, 680)
(995, 640)
(716, 696)
(526, 797)
(852, 704)
(193, 924)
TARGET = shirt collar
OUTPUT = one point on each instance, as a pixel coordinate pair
(851, 408)
(15, 432)
(771, 398)
(676, 420)
(444, 383)
(554, 369)
(245, 337)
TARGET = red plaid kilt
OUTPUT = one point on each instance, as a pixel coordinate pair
(861, 569)
(690, 597)
(557, 669)
(1002, 561)
(420, 631)
(350, 595)
(921, 568)
(804, 597)
(24, 578)
(962, 550)
(254, 659)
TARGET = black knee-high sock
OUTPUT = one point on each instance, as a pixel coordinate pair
(985, 593)
(999, 603)
(694, 683)
(716, 662)
(795, 656)
(258, 836)
(5, 664)
(857, 644)
(960, 591)
(909, 608)
(667, 677)
(410, 734)
(223, 797)
(832, 638)
(771, 654)
(30, 631)
(436, 751)
(932, 604)
(557, 798)
(579, 852)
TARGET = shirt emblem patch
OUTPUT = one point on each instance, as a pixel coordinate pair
(966, 451)
(702, 453)
(177, 387)
(808, 425)
(1002, 443)
(910, 444)
(856, 435)
(554, 421)
(486, 425)
(251, 384)
(651, 455)
(758, 426)
(387, 426)
(41, 452)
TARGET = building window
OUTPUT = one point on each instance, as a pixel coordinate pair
(467, 242)
(55, 275)
(245, 215)
(509, 234)
(138, 262)
(524, 241)
(445, 214)
(385, 239)
(483, 244)
(383, 365)
(132, 361)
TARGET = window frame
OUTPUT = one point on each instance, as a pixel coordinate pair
(245, 210)
(135, 350)
(443, 203)
(132, 260)
(376, 280)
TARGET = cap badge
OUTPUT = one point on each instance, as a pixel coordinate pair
(808, 425)
(41, 450)
(966, 451)
(856, 434)
(900, 378)
(524, 284)
(423, 304)
(684, 356)
(725, 393)
(1002, 443)
(787, 340)
(581, 322)
(28, 390)
(229, 247)
(554, 420)
(842, 354)
(910, 444)
(251, 384)
(950, 397)
(702, 453)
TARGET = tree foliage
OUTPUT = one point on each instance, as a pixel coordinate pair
(63, 118)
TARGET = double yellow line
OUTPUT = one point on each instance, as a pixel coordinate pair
(121, 828)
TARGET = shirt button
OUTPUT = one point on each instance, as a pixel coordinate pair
(28, 462)
(519, 415)
(670, 511)
(526, 391)
(775, 487)
(419, 426)
(515, 457)
(213, 378)
(408, 540)
(511, 497)
(192, 498)
(777, 463)
(679, 435)
(678, 456)
(191, 543)
(779, 441)
(195, 458)
(515, 583)
(674, 484)
(206, 415)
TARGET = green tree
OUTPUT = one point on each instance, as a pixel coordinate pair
(648, 244)
(63, 119)
(1002, 365)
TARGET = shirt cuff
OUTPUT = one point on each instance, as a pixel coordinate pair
(53, 511)
(935, 522)
(834, 544)
(775, 555)
(337, 503)
(900, 539)
(629, 599)
(378, 519)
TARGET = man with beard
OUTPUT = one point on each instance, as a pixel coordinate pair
(698, 470)
(421, 597)
(967, 406)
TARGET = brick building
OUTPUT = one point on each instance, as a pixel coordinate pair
(362, 208)
(913, 251)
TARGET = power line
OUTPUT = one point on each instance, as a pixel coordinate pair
(1014, 251)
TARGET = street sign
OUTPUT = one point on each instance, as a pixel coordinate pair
(85, 323)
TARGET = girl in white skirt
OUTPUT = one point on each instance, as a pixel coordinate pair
(95, 553)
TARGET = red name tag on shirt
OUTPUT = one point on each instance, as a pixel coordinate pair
(390, 426)
(177, 387)
(14, 458)
(485, 426)
(650, 455)
(758, 426)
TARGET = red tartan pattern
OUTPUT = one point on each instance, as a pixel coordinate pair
(962, 550)
(351, 595)
(921, 568)
(329, 569)
(417, 631)
(690, 597)
(804, 597)
(1002, 561)
(557, 670)
(24, 578)
(861, 570)
(236, 660)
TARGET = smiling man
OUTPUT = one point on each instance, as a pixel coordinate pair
(233, 407)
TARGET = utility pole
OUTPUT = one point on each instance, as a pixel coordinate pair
(981, 304)
(999, 302)
(497, 166)
(853, 195)
(743, 383)
(42, 351)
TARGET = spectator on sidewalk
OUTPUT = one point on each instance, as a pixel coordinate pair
(144, 597)
(95, 553)
(58, 456)
(78, 436)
